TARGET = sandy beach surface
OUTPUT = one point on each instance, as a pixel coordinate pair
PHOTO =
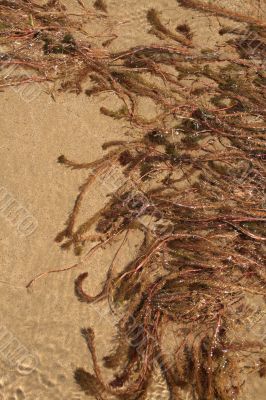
(44, 323)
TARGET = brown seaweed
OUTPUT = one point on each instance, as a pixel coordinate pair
(189, 181)
(219, 11)
(159, 29)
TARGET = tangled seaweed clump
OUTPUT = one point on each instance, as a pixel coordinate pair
(191, 181)
(203, 248)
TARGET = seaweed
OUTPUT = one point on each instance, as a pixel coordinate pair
(222, 12)
(201, 270)
(189, 185)
(100, 5)
(160, 30)
(185, 30)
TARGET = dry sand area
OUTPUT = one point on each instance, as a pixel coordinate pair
(46, 320)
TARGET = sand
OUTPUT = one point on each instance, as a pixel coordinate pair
(43, 324)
